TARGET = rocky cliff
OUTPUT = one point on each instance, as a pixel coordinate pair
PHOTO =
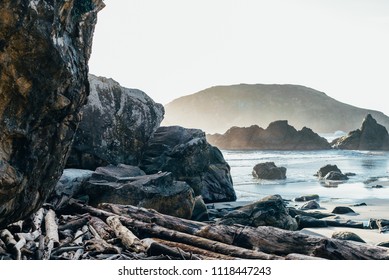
(44, 51)
(371, 136)
(116, 124)
(216, 109)
(279, 135)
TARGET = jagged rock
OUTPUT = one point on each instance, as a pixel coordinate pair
(269, 211)
(347, 235)
(117, 123)
(309, 222)
(310, 205)
(190, 158)
(342, 210)
(335, 176)
(44, 51)
(371, 136)
(157, 191)
(279, 135)
(307, 198)
(323, 171)
(269, 171)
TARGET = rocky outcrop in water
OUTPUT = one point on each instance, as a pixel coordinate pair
(279, 135)
(269, 171)
(190, 158)
(116, 124)
(371, 136)
(44, 51)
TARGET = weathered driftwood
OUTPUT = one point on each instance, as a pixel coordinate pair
(51, 227)
(266, 239)
(128, 239)
(165, 233)
(205, 254)
(75, 224)
(155, 248)
(101, 228)
(10, 243)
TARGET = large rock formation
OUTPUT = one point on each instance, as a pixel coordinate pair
(116, 124)
(279, 135)
(371, 136)
(129, 186)
(216, 109)
(44, 51)
(269, 171)
(187, 154)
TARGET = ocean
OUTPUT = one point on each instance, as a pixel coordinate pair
(371, 168)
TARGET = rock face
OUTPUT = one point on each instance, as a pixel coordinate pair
(116, 124)
(44, 51)
(190, 158)
(269, 171)
(279, 135)
(125, 185)
(371, 136)
(269, 211)
(329, 171)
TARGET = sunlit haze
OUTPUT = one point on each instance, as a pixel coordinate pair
(172, 48)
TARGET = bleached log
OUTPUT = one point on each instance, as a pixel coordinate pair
(51, 227)
(155, 248)
(128, 239)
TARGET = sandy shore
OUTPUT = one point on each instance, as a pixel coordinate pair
(375, 208)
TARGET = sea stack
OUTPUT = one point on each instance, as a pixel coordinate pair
(371, 136)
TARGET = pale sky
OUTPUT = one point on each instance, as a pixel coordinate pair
(171, 48)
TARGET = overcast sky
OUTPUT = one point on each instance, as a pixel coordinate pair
(172, 48)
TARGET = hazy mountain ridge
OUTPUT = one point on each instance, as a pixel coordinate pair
(219, 108)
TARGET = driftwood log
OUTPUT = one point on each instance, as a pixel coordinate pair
(111, 232)
(266, 239)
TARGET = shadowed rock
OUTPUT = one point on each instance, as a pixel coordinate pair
(190, 158)
(279, 135)
(347, 235)
(269, 211)
(269, 171)
(116, 125)
(44, 51)
(371, 136)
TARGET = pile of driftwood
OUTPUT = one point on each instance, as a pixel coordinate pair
(112, 231)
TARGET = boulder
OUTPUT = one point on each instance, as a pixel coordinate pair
(347, 235)
(315, 214)
(157, 191)
(342, 210)
(323, 171)
(335, 176)
(279, 135)
(310, 205)
(120, 172)
(381, 224)
(269, 171)
(383, 244)
(371, 136)
(307, 198)
(44, 51)
(269, 211)
(190, 158)
(117, 123)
